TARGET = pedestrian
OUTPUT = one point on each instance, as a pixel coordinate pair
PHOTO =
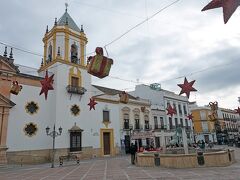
(203, 145)
(133, 151)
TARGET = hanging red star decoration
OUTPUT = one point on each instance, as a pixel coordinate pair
(47, 84)
(229, 7)
(92, 104)
(190, 117)
(187, 87)
(238, 110)
(171, 111)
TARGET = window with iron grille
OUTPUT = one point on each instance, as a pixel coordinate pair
(162, 122)
(186, 122)
(170, 123)
(146, 119)
(184, 109)
(176, 122)
(126, 121)
(137, 122)
(74, 81)
(181, 122)
(155, 122)
(75, 141)
(106, 117)
(180, 109)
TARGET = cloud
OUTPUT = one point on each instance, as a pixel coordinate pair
(178, 41)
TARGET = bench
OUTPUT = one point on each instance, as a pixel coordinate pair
(69, 157)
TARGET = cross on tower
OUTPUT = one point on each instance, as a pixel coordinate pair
(66, 5)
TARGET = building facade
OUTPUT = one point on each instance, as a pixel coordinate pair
(165, 126)
(204, 128)
(26, 115)
(230, 121)
(222, 130)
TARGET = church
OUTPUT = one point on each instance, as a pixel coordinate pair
(28, 118)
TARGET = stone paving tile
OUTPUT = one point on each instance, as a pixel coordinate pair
(117, 169)
(167, 178)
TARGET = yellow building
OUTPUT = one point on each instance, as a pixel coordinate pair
(204, 128)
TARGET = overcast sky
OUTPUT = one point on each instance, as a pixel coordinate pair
(175, 43)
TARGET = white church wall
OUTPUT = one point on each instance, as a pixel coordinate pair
(64, 117)
(18, 118)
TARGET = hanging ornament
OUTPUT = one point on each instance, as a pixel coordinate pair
(229, 7)
(187, 87)
(15, 89)
(143, 109)
(238, 110)
(171, 111)
(214, 107)
(92, 104)
(190, 117)
(99, 65)
(124, 97)
(47, 84)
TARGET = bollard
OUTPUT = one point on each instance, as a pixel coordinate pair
(200, 158)
(229, 155)
(157, 159)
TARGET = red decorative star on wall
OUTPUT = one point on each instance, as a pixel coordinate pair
(238, 110)
(171, 111)
(187, 87)
(47, 84)
(92, 104)
(229, 7)
(190, 117)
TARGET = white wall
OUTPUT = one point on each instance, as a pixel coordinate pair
(18, 118)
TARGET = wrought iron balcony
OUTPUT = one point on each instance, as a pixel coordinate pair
(147, 127)
(127, 127)
(76, 89)
(138, 127)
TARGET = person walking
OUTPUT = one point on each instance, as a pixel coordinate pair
(133, 151)
(203, 145)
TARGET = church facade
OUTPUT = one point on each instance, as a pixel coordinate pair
(25, 115)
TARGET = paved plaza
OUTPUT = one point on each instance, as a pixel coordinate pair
(118, 168)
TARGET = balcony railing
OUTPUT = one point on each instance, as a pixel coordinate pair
(76, 89)
(126, 126)
(138, 127)
(147, 127)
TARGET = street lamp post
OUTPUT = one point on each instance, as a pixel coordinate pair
(53, 134)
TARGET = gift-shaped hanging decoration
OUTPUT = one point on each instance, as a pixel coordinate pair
(16, 88)
(99, 65)
(214, 107)
(124, 97)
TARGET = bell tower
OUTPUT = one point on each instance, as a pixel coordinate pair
(64, 43)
